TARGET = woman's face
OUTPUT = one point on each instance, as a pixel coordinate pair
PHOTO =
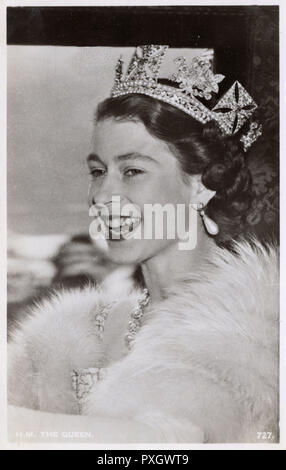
(128, 162)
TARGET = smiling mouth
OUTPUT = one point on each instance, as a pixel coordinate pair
(121, 227)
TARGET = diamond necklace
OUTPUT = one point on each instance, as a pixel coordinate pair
(136, 318)
(133, 325)
(84, 379)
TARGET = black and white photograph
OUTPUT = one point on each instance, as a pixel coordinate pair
(143, 226)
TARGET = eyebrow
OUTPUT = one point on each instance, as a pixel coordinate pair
(127, 156)
(92, 157)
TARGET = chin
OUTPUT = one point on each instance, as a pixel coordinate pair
(131, 251)
(125, 251)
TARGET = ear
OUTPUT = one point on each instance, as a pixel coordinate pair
(199, 193)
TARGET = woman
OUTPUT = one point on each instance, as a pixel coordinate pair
(193, 356)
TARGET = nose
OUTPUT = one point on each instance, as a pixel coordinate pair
(101, 192)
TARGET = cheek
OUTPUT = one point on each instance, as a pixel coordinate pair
(171, 189)
(161, 189)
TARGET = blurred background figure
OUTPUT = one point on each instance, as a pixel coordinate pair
(39, 264)
(78, 262)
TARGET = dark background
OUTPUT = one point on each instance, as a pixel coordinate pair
(230, 30)
(246, 43)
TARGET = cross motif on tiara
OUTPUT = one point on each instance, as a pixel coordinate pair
(195, 80)
(234, 109)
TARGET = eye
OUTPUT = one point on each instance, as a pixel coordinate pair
(97, 172)
(133, 172)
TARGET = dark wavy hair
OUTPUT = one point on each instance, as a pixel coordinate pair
(200, 149)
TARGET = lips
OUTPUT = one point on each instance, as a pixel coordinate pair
(121, 226)
(117, 221)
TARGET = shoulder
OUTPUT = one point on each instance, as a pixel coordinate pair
(229, 307)
(241, 285)
(214, 342)
(70, 310)
(58, 335)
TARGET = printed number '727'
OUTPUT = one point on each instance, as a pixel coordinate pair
(265, 435)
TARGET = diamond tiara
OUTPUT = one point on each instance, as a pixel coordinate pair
(231, 112)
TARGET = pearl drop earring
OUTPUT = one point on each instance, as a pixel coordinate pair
(210, 225)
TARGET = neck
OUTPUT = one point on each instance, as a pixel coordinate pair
(169, 264)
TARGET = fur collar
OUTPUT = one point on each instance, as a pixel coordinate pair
(206, 356)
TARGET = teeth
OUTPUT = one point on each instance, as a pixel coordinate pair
(127, 222)
(114, 222)
(121, 225)
(117, 222)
